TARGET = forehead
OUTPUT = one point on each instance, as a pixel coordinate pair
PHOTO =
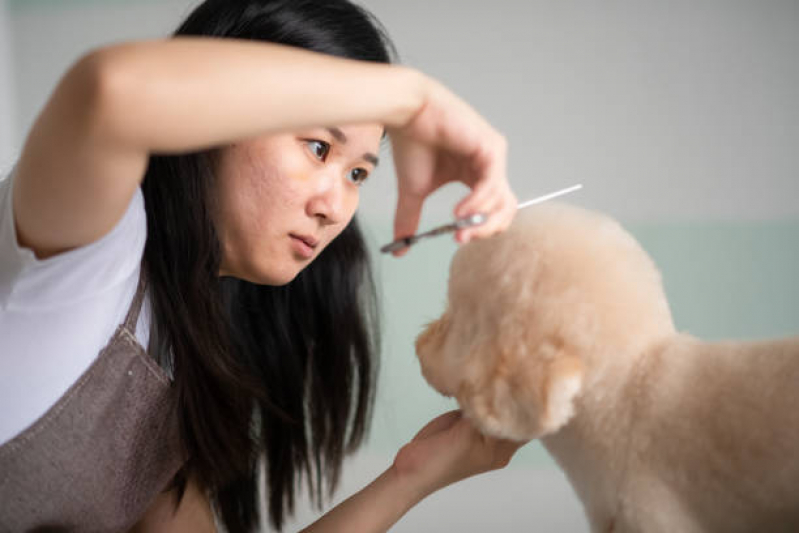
(357, 133)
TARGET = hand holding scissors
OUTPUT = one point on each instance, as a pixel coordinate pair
(465, 222)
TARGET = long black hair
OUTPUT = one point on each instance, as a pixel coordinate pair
(281, 377)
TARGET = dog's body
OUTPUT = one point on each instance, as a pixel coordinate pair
(704, 437)
(560, 329)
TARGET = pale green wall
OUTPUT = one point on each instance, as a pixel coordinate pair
(729, 280)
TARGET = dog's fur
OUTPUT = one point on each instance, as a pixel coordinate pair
(559, 329)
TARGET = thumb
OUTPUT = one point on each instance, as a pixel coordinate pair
(406, 219)
(440, 423)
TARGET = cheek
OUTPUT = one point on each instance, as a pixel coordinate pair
(354, 198)
(266, 191)
(298, 176)
(350, 199)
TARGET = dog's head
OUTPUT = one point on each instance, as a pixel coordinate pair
(529, 311)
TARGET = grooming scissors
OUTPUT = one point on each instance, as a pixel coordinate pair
(466, 222)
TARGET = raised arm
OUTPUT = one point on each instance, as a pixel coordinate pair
(87, 151)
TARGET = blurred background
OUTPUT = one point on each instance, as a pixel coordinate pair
(680, 118)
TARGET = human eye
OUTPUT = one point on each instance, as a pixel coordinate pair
(358, 175)
(320, 149)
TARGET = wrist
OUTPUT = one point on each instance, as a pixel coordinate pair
(415, 89)
(375, 508)
(406, 485)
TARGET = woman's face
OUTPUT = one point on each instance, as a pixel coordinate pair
(284, 197)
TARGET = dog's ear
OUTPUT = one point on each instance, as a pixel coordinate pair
(521, 394)
(564, 382)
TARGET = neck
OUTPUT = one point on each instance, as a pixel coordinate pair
(591, 448)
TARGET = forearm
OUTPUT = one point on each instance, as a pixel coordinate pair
(188, 93)
(375, 508)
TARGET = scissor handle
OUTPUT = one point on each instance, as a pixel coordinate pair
(399, 244)
(465, 222)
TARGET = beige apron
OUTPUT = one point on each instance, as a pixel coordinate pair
(98, 457)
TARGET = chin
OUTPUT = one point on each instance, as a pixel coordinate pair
(275, 278)
(266, 276)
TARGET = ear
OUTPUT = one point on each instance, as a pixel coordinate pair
(519, 394)
(564, 383)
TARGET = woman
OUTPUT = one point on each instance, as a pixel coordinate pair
(201, 192)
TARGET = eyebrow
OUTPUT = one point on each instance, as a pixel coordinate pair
(340, 137)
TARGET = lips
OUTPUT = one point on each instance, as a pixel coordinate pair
(307, 239)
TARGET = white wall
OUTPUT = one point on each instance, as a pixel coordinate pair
(7, 102)
(688, 108)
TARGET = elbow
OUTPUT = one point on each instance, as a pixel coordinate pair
(96, 87)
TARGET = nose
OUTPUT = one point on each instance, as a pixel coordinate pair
(327, 201)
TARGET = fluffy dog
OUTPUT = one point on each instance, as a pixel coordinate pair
(559, 329)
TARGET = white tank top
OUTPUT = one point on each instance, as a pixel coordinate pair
(57, 314)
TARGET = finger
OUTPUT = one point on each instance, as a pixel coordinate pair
(498, 452)
(490, 209)
(476, 199)
(406, 218)
(510, 447)
(438, 424)
(491, 164)
(489, 201)
(499, 221)
(500, 211)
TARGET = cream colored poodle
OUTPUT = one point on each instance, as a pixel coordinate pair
(559, 329)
